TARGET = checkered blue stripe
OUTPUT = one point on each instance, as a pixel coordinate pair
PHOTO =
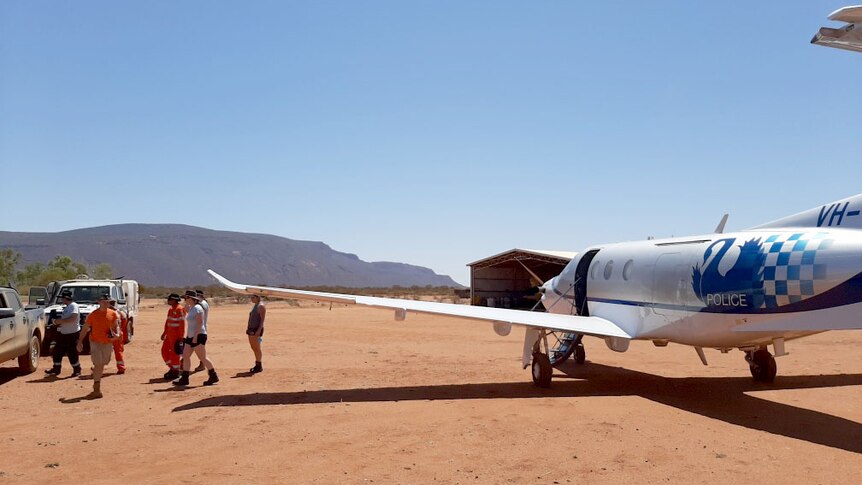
(791, 273)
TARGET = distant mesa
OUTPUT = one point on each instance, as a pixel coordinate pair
(179, 255)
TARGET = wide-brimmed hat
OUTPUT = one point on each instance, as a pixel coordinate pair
(175, 297)
(66, 294)
(192, 294)
(199, 292)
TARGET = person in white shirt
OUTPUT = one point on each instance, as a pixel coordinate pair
(195, 341)
(68, 330)
(206, 306)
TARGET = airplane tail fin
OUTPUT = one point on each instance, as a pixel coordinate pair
(844, 214)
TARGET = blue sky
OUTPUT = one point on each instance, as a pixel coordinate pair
(433, 133)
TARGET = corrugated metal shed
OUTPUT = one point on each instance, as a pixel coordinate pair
(509, 279)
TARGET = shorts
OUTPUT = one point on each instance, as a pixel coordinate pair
(101, 353)
(251, 331)
(202, 340)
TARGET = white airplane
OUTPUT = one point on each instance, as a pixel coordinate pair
(749, 290)
(849, 36)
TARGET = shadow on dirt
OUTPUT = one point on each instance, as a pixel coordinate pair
(721, 398)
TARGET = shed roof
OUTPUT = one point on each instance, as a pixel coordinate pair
(561, 257)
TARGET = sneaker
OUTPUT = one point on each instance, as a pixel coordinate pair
(258, 367)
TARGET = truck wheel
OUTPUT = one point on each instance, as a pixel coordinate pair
(29, 362)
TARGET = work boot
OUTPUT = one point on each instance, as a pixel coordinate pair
(171, 374)
(76, 371)
(53, 371)
(258, 367)
(183, 380)
(97, 390)
(213, 378)
(200, 367)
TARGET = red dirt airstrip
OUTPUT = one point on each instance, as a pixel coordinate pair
(350, 396)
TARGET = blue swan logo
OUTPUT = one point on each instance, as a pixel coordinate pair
(741, 286)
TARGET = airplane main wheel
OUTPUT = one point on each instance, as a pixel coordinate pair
(542, 370)
(580, 354)
(763, 367)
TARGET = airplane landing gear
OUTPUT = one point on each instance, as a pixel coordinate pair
(580, 354)
(762, 365)
(542, 370)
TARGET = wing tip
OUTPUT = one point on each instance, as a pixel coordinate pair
(226, 282)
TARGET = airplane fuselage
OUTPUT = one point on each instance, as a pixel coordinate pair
(724, 291)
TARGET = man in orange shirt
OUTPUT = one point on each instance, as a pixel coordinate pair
(103, 326)
(172, 336)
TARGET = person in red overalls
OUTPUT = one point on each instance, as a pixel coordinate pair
(172, 337)
(119, 347)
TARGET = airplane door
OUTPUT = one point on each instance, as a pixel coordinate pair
(671, 288)
(581, 283)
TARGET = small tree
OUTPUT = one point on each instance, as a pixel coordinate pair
(66, 267)
(9, 260)
(102, 271)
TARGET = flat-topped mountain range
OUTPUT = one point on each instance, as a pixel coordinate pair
(179, 255)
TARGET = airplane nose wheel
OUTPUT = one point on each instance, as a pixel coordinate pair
(762, 365)
(542, 370)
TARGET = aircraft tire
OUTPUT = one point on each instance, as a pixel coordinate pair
(763, 367)
(580, 354)
(542, 370)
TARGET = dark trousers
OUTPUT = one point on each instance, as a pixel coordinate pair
(66, 344)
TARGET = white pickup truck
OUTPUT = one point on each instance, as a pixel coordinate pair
(21, 331)
(86, 292)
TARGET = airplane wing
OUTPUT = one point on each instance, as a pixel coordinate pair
(849, 36)
(595, 326)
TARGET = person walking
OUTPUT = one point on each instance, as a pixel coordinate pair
(68, 330)
(195, 341)
(256, 317)
(206, 306)
(103, 326)
(172, 336)
(119, 346)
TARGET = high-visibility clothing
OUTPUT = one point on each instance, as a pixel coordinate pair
(119, 347)
(174, 332)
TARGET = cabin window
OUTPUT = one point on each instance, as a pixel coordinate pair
(595, 270)
(609, 269)
(627, 269)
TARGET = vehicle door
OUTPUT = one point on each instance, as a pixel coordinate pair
(7, 330)
(22, 322)
(37, 296)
